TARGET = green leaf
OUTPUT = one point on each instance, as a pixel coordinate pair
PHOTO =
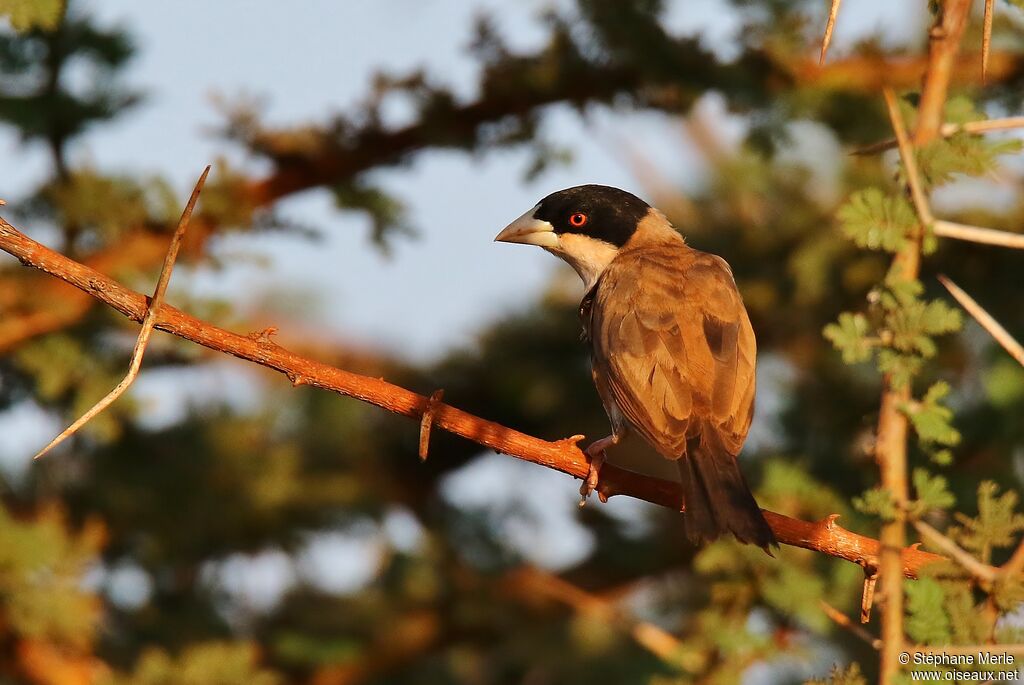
(960, 109)
(996, 525)
(902, 367)
(961, 153)
(927, 622)
(908, 326)
(969, 625)
(876, 502)
(876, 221)
(26, 15)
(932, 493)
(931, 419)
(850, 337)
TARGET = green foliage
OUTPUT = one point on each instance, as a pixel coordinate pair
(996, 525)
(386, 213)
(66, 374)
(900, 332)
(876, 221)
(941, 160)
(927, 622)
(110, 205)
(961, 153)
(25, 15)
(850, 337)
(42, 564)
(910, 322)
(932, 493)
(840, 675)
(968, 621)
(43, 107)
(876, 502)
(788, 488)
(203, 664)
(932, 422)
(1004, 383)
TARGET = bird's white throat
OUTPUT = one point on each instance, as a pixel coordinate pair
(588, 256)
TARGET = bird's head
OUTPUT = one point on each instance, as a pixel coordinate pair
(584, 225)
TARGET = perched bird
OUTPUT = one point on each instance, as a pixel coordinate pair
(672, 348)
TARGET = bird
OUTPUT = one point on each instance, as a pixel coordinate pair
(673, 352)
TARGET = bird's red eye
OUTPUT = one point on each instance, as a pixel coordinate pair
(578, 219)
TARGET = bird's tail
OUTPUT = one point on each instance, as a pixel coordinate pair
(716, 496)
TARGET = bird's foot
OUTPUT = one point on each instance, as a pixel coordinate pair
(597, 455)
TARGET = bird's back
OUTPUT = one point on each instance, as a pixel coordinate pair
(670, 333)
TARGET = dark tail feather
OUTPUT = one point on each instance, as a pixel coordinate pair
(716, 496)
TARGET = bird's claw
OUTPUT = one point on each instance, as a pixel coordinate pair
(597, 455)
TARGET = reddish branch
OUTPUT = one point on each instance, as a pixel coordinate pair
(562, 455)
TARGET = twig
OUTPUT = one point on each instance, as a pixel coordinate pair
(891, 441)
(924, 212)
(943, 47)
(976, 234)
(956, 552)
(843, 621)
(947, 130)
(986, 39)
(867, 594)
(562, 455)
(985, 319)
(535, 583)
(427, 421)
(829, 26)
(148, 322)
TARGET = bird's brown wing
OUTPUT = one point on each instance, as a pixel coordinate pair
(673, 340)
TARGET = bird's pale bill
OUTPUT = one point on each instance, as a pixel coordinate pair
(529, 231)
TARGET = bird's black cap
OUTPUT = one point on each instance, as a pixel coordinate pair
(611, 214)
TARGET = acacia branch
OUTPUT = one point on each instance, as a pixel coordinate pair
(976, 568)
(148, 321)
(891, 445)
(985, 320)
(951, 129)
(561, 455)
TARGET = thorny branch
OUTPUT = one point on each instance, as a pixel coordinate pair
(994, 328)
(148, 321)
(891, 443)
(833, 12)
(823, 536)
(949, 129)
(891, 451)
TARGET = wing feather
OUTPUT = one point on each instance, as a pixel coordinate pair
(670, 331)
